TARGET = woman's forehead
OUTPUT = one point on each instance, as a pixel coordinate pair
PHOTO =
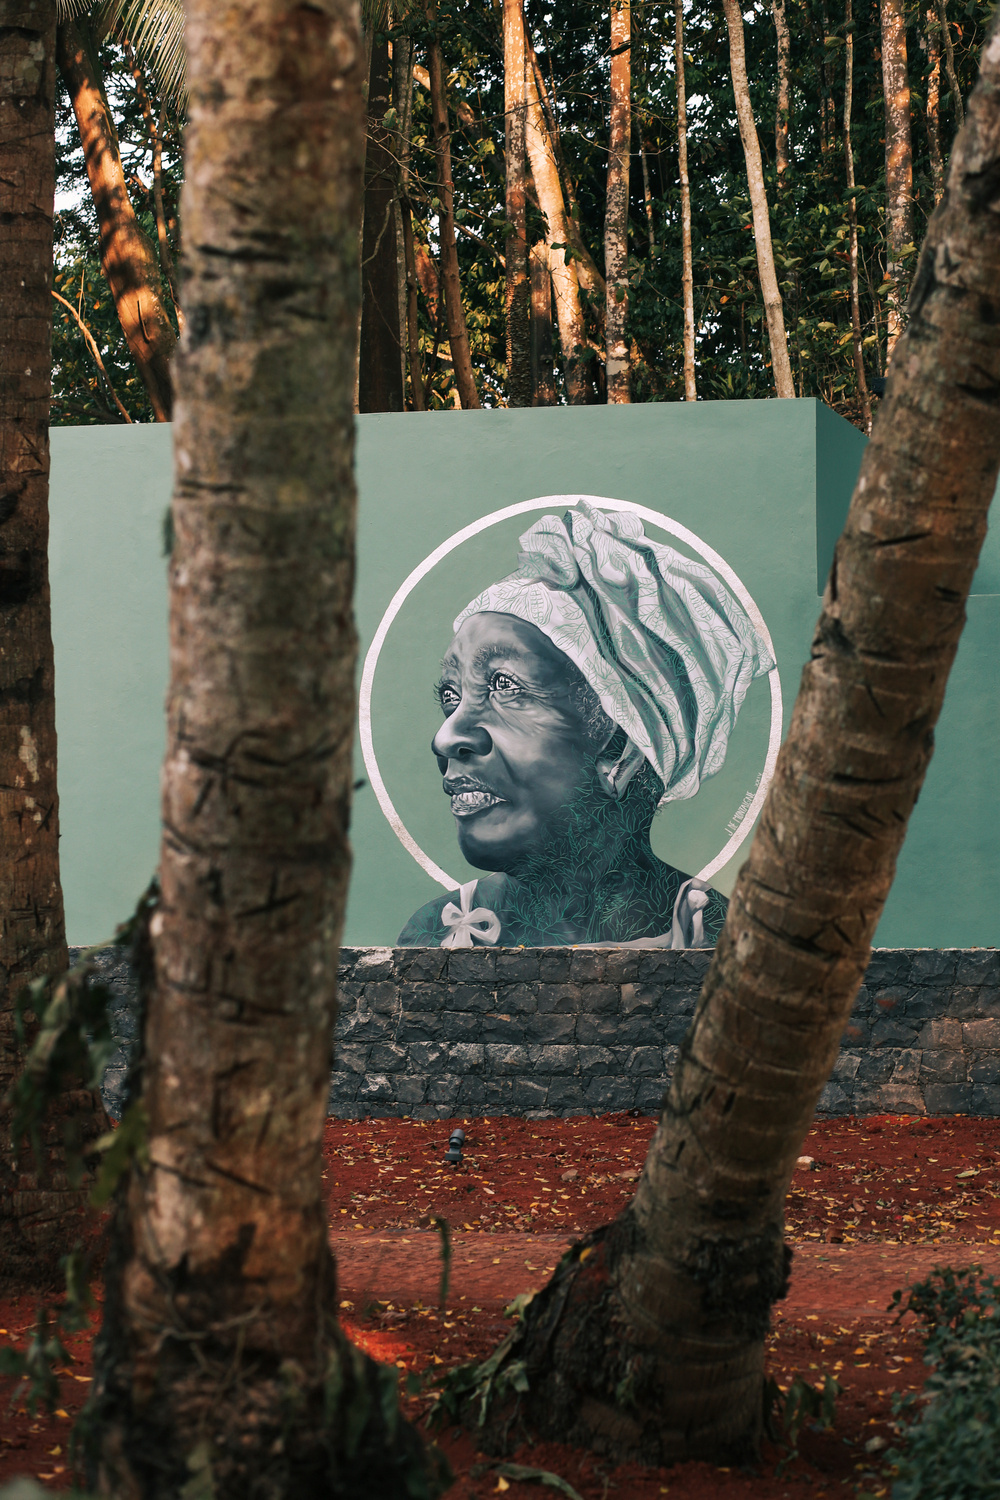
(485, 639)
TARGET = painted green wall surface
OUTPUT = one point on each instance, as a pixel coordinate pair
(764, 484)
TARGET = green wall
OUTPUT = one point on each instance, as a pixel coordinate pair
(764, 483)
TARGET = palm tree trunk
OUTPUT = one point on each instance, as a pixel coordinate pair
(542, 378)
(898, 165)
(852, 221)
(616, 209)
(221, 1368)
(40, 1213)
(783, 102)
(565, 282)
(649, 1340)
(932, 36)
(518, 289)
(128, 260)
(780, 365)
(458, 333)
(687, 260)
(380, 377)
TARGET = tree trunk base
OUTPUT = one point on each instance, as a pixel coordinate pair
(580, 1370)
(200, 1415)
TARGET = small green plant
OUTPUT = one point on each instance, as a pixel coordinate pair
(951, 1431)
(802, 1403)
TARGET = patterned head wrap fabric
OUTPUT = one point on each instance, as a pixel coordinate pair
(665, 646)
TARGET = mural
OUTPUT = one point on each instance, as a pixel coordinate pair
(599, 681)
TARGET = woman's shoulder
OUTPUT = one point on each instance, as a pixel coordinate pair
(425, 928)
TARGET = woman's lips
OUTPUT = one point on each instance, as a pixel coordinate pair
(465, 804)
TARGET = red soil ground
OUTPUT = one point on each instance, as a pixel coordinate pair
(882, 1202)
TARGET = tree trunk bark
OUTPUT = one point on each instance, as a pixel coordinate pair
(932, 36)
(541, 327)
(949, 64)
(852, 220)
(402, 86)
(518, 289)
(458, 333)
(128, 260)
(898, 165)
(783, 102)
(616, 348)
(221, 1369)
(687, 259)
(649, 1340)
(781, 368)
(563, 271)
(41, 1215)
(380, 380)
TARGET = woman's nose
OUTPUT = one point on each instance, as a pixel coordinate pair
(460, 737)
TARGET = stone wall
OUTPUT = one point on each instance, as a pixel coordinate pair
(538, 1031)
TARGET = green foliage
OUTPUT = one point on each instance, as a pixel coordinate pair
(951, 1432)
(476, 1385)
(441, 1225)
(803, 1403)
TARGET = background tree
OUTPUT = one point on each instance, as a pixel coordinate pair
(128, 260)
(898, 166)
(221, 1368)
(616, 207)
(40, 1210)
(380, 368)
(649, 1340)
(518, 287)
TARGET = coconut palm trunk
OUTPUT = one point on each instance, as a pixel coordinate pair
(40, 1212)
(128, 259)
(781, 368)
(649, 1340)
(221, 1369)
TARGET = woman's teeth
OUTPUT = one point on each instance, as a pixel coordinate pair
(464, 804)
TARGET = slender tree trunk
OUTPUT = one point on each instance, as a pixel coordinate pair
(518, 288)
(852, 220)
(458, 333)
(932, 35)
(649, 1341)
(616, 209)
(949, 64)
(41, 1215)
(647, 194)
(783, 101)
(380, 380)
(687, 259)
(780, 365)
(565, 282)
(402, 86)
(542, 376)
(128, 260)
(590, 278)
(221, 1369)
(154, 130)
(898, 165)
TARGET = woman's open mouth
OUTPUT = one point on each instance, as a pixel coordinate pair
(464, 804)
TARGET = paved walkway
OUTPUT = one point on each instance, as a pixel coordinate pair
(849, 1280)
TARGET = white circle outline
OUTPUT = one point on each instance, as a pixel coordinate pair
(672, 528)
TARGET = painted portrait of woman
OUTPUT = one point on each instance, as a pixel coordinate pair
(599, 681)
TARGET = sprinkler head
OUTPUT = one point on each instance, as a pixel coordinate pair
(455, 1144)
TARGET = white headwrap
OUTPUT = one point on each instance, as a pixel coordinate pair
(665, 646)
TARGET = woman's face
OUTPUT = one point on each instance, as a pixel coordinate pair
(514, 748)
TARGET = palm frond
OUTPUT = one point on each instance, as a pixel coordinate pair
(156, 30)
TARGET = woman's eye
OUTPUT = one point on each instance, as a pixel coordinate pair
(501, 683)
(449, 697)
